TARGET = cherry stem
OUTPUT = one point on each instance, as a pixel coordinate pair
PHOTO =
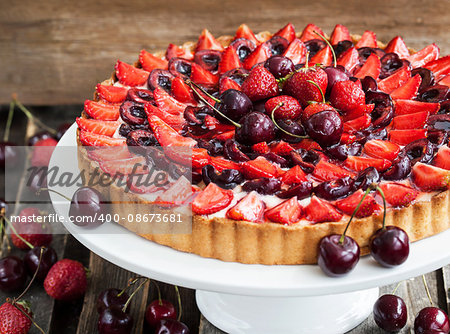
(54, 191)
(33, 278)
(9, 120)
(180, 308)
(396, 288)
(17, 234)
(133, 294)
(189, 82)
(159, 293)
(34, 119)
(307, 61)
(318, 87)
(329, 45)
(272, 116)
(384, 205)
(131, 282)
(427, 290)
(29, 318)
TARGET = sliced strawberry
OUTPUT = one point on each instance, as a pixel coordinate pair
(382, 149)
(113, 94)
(358, 111)
(395, 80)
(349, 59)
(409, 89)
(250, 208)
(167, 103)
(371, 68)
(307, 144)
(323, 57)
(361, 163)
(131, 166)
(92, 139)
(281, 148)
(308, 32)
(211, 200)
(106, 128)
(404, 137)
(182, 92)
(340, 33)
(445, 81)
(357, 124)
(348, 205)
(260, 167)
(442, 158)
(260, 54)
(176, 51)
(221, 164)
(295, 175)
(245, 32)
(200, 157)
(398, 194)
(287, 32)
(314, 108)
(427, 54)
(130, 75)
(368, 40)
(179, 193)
(230, 60)
(296, 51)
(430, 178)
(261, 148)
(228, 83)
(405, 107)
(225, 136)
(166, 135)
(206, 41)
(327, 171)
(411, 121)
(145, 184)
(398, 46)
(321, 211)
(287, 212)
(150, 62)
(440, 67)
(347, 138)
(203, 77)
(109, 153)
(102, 111)
(213, 124)
(177, 122)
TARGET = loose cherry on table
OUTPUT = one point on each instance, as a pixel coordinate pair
(171, 326)
(13, 274)
(158, 310)
(38, 136)
(48, 259)
(431, 319)
(112, 297)
(114, 320)
(390, 313)
(9, 157)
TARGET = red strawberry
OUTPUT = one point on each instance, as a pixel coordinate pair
(260, 84)
(203, 77)
(411, 121)
(113, 94)
(213, 124)
(106, 128)
(206, 41)
(299, 87)
(13, 320)
(320, 211)
(442, 158)
(179, 193)
(358, 112)
(327, 171)
(42, 152)
(371, 68)
(346, 95)
(404, 107)
(382, 149)
(368, 39)
(133, 165)
(92, 139)
(228, 83)
(340, 33)
(260, 167)
(177, 121)
(245, 32)
(349, 59)
(296, 51)
(357, 124)
(361, 163)
(220, 164)
(261, 148)
(440, 67)
(314, 108)
(32, 229)
(395, 80)
(287, 32)
(398, 194)
(307, 144)
(200, 157)
(176, 51)
(260, 54)
(150, 62)
(290, 108)
(166, 135)
(109, 153)
(211, 199)
(182, 92)
(66, 280)
(281, 148)
(250, 208)
(103, 111)
(308, 32)
(323, 57)
(167, 103)
(404, 137)
(349, 204)
(136, 185)
(225, 136)
(445, 81)
(427, 54)
(130, 75)
(408, 90)
(398, 46)
(295, 175)
(430, 178)
(347, 138)
(230, 60)
(287, 212)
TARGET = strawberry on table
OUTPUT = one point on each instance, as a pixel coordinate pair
(250, 208)
(106, 128)
(346, 95)
(92, 139)
(287, 32)
(150, 62)
(290, 108)
(211, 199)
(408, 90)
(398, 194)
(260, 54)
(404, 107)
(287, 212)
(112, 94)
(349, 204)
(130, 75)
(442, 158)
(430, 178)
(382, 149)
(340, 33)
(320, 211)
(103, 111)
(260, 84)
(398, 46)
(296, 51)
(66, 280)
(206, 41)
(13, 320)
(368, 39)
(427, 54)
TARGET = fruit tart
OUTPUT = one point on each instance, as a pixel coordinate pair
(286, 132)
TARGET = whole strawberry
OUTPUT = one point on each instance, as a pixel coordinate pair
(346, 95)
(66, 280)
(290, 108)
(12, 320)
(260, 84)
(314, 108)
(298, 86)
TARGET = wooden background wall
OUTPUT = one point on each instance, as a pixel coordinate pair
(55, 51)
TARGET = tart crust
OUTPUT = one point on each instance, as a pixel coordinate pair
(270, 243)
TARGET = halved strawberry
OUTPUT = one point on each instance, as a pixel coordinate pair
(323, 57)
(225, 136)
(445, 81)
(347, 138)
(213, 124)
(287, 32)
(442, 158)
(398, 46)
(395, 80)
(179, 193)
(357, 124)
(404, 137)
(211, 200)
(295, 175)
(175, 121)
(368, 39)
(182, 92)
(166, 135)
(109, 153)
(361, 163)
(106, 128)
(430, 178)
(371, 68)
(245, 32)
(382, 149)
(221, 164)
(287, 212)
(427, 54)
(411, 121)
(308, 32)
(349, 59)
(405, 107)
(167, 103)
(307, 144)
(206, 41)
(348, 205)
(260, 84)
(102, 111)
(408, 90)
(113, 94)
(150, 62)
(176, 51)
(200, 157)
(327, 171)
(296, 51)
(398, 194)
(261, 148)
(358, 111)
(321, 211)
(131, 166)
(440, 67)
(340, 33)
(230, 60)
(130, 75)
(203, 77)
(250, 208)
(260, 167)
(260, 54)
(144, 184)
(281, 148)
(228, 83)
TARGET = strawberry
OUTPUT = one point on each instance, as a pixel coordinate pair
(404, 137)
(166, 135)
(13, 320)
(290, 108)
(109, 153)
(250, 208)
(398, 46)
(177, 121)
(314, 108)
(347, 138)
(382, 149)
(395, 80)
(398, 194)
(411, 121)
(323, 57)
(200, 157)
(287, 32)
(139, 184)
(259, 167)
(307, 144)
(260, 84)
(112, 94)
(349, 59)
(42, 152)
(298, 86)
(427, 54)
(206, 41)
(281, 148)
(203, 77)
(130, 75)
(287, 212)
(408, 90)
(103, 111)
(349, 204)
(245, 32)
(442, 158)
(368, 39)
(106, 128)
(371, 68)
(221, 164)
(167, 103)
(133, 165)
(32, 229)
(295, 175)
(212, 199)
(359, 111)
(361, 163)
(182, 92)
(445, 81)
(405, 107)
(66, 280)
(340, 33)
(261, 148)
(296, 51)
(430, 178)
(179, 193)
(346, 95)
(181, 52)
(320, 211)
(259, 55)
(327, 171)
(230, 60)
(92, 139)
(308, 32)
(150, 62)
(357, 124)
(225, 136)
(440, 67)
(228, 83)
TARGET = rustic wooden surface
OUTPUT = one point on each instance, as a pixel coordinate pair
(54, 51)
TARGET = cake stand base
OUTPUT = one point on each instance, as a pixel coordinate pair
(330, 314)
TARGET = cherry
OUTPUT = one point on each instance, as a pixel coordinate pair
(158, 310)
(338, 258)
(234, 104)
(335, 189)
(302, 190)
(139, 140)
(255, 128)
(62, 129)
(427, 77)
(86, 204)
(264, 185)
(180, 67)
(133, 113)
(431, 318)
(383, 112)
(232, 151)
(277, 45)
(279, 66)
(436, 93)
(389, 246)
(243, 47)
(445, 107)
(139, 95)
(400, 169)
(111, 297)
(305, 159)
(227, 179)
(325, 127)
(213, 146)
(314, 45)
(237, 74)
(171, 326)
(208, 59)
(419, 150)
(365, 178)
(9, 156)
(160, 78)
(114, 320)
(341, 47)
(369, 83)
(439, 122)
(390, 313)
(390, 62)
(293, 127)
(13, 274)
(31, 259)
(37, 181)
(335, 74)
(37, 137)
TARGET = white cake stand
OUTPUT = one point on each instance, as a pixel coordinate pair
(239, 298)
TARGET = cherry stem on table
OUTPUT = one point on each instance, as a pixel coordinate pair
(12, 106)
(180, 308)
(33, 278)
(134, 293)
(56, 192)
(427, 290)
(31, 117)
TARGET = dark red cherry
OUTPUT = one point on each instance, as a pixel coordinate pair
(325, 127)
(365, 178)
(400, 169)
(277, 45)
(302, 190)
(139, 140)
(62, 130)
(227, 179)
(158, 310)
(13, 274)
(439, 122)
(114, 321)
(427, 77)
(208, 59)
(110, 297)
(336, 259)
(437, 137)
(243, 47)
(369, 83)
(171, 326)
(87, 204)
(341, 47)
(180, 67)
(38, 180)
(293, 127)
(238, 75)
(160, 79)
(255, 128)
(445, 107)
(37, 137)
(389, 246)
(234, 105)
(420, 150)
(334, 74)
(390, 313)
(305, 159)
(9, 155)
(139, 95)
(431, 318)
(314, 45)
(335, 189)
(339, 152)
(214, 146)
(31, 260)
(383, 112)
(436, 93)
(133, 113)
(264, 185)
(390, 62)
(279, 66)
(233, 151)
